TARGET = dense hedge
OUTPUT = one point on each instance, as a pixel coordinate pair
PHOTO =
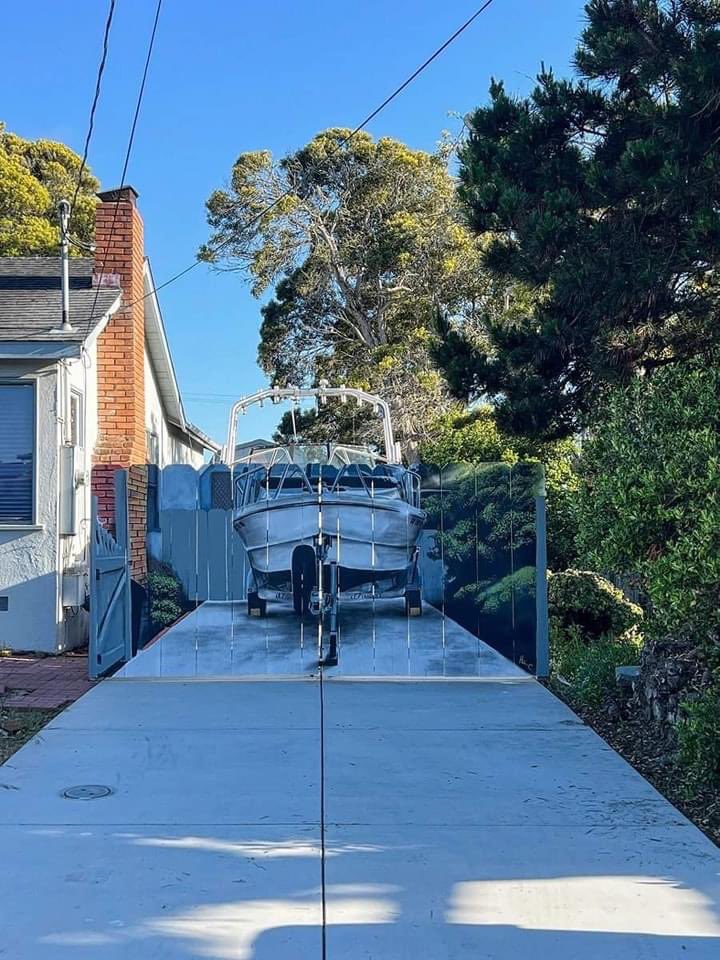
(699, 738)
(649, 501)
(593, 630)
(585, 600)
(166, 598)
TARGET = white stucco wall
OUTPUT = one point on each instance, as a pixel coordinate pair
(75, 551)
(28, 555)
(33, 559)
(173, 444)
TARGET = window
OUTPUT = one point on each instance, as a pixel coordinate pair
(77, 419)
(153, 502)
(17, 452)
(153, 447)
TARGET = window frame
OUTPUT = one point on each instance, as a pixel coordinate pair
(32, 383)
(152, 447)
(153, 498)
(79, 396)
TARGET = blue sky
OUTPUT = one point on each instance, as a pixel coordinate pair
(231, 76)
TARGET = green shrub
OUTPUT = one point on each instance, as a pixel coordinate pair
(164, 612)
(649, 501)
(166, 598)
(593, 630)
(590, 668)
(583, 599)
(698, 735)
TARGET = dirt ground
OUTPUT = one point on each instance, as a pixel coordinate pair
(19, 726)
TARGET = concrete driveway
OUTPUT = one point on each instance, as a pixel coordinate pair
(342, 818)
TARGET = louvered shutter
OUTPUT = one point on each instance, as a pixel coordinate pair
(17, 442)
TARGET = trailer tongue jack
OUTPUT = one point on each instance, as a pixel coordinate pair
(326, 600)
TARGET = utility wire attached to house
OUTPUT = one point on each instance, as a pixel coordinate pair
(93, 108)
(131, 140)
(371, 116)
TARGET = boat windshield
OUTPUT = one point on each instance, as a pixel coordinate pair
(302, 454)
(256, 482)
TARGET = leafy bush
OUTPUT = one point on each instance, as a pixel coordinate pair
(590, 668)
(166, 598)
(593, 630)
(584, 600)
(650, 494)
(467, 437)
(698, 735)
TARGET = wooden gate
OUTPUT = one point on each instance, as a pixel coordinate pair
(110, 616)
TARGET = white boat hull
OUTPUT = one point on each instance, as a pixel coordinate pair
(365, 534)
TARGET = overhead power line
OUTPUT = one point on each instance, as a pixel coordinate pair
(128, 151)
(93, 108)
(371, 116)
(413, 76)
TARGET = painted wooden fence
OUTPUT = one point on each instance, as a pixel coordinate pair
(110, 640)
(194, 534)
(482, 554)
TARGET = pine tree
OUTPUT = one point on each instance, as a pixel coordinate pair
(600, 197)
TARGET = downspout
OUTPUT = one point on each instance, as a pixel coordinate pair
(60, 418)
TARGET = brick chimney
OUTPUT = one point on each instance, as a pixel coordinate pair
(121, 442)
(121, 366)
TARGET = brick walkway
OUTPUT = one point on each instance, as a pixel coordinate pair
(42, 682)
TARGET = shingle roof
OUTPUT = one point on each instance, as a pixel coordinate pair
(30, 304)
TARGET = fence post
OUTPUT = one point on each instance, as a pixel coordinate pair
(122, 537)
(542, 640)
(94, 520)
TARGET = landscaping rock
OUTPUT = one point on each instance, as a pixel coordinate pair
(627, 676)
(11, 726)
(670, 671)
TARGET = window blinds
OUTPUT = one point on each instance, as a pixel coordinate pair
(17, 442)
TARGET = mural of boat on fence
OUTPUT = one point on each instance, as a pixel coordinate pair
(478, 552)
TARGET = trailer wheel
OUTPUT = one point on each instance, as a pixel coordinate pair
(413, 603)
(257, 607)
(303, 578)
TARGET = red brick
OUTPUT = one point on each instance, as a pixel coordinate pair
(121, 369)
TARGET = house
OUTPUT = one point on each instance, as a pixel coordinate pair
(74, 407)
(244, 449)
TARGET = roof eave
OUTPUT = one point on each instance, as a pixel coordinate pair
(160, 355)
(100, 326)
(202, 438)
(40, 349)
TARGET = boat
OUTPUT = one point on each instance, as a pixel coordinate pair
(325, 522)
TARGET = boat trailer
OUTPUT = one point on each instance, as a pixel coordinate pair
(325, 596)
(316, 578)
